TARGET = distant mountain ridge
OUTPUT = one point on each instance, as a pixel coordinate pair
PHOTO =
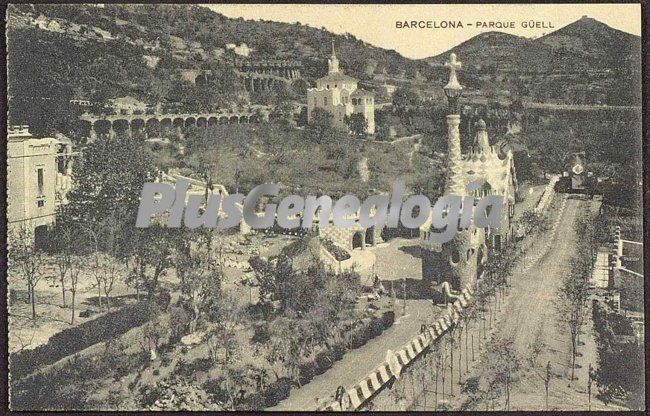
(583, 44)
(585, 62)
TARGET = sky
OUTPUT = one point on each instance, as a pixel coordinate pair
(376, 24)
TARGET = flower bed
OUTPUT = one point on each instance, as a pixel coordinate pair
(339, 253)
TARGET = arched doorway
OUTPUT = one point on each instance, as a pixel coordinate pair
(357, 240)
(480, 261)
(40, 237)
(137, 128)
(370, 236)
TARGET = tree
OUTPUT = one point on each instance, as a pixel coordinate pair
(150, 255)
(75, 270)
(320, 128)
(108, 180)
(28, 260)
(199, 273)
(534, 222)
(572, 296)
(284, 346)
(503, 364)
(357, 124)
(405, 99)
(60, 244)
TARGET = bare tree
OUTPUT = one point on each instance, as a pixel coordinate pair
(503, 364)
(93, 233)
(572, 296)
(75, 270)
(28, 260)
(60, 245)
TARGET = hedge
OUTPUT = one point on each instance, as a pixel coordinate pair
(79, 337)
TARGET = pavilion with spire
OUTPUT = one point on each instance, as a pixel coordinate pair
(459, 262)
(339, 95)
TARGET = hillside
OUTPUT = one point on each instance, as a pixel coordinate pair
(125, 49)
(586, 55)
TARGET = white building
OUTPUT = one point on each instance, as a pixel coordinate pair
(338, 94)
(39, 175)
(242, 50)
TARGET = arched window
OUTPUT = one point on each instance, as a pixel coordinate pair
(455, 256)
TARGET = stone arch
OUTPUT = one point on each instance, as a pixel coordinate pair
(178, 123)
(190, 121)
(244, 120)
(223, 120)
(480, 261)
(454, 255)
(137, 127)
(213, 121)
(233, 120)
(166, 125)
(358, 240)
(201, 79)
(385, 233)
(370, 236)
(201, 122)
(121, 127)
(152, 127)
(86, 128)
(40, 237)
(102, 127)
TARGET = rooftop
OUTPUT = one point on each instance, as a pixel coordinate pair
(337, 77)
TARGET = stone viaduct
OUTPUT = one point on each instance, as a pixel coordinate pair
(134, 124)
(257, 75)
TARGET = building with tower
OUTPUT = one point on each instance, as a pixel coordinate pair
(460, 261)
(339, 95)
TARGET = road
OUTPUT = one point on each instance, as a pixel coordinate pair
(530, 319)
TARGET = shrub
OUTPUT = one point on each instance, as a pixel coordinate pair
(388, 318)
(80, 337)
(255, 401)
(339, 253)
(278, 390)
(324, 361)
(376, 327)
(307, 371)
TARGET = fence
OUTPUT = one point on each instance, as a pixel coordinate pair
(380, 377)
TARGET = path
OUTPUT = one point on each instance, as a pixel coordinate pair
(395, 259)
(364, 172)
(356, 364)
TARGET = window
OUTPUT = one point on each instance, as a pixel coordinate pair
(41, 184)
(324, 101)
(455, 256)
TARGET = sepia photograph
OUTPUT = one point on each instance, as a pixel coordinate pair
(324, 207)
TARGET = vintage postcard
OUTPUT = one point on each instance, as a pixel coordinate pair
(324, 207)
